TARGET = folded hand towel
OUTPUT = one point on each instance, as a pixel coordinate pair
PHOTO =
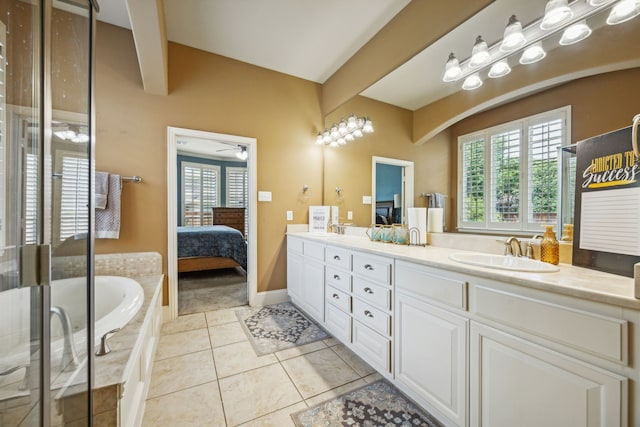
(102, 189)
(436, 200)
(108, 220)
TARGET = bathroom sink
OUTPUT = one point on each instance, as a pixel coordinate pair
(502, 262)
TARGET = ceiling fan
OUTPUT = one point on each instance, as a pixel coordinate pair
(241, 151)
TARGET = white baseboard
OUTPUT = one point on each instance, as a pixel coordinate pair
(271, 297)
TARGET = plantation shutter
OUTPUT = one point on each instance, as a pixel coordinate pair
(545, 139)
(237, 191)
(74, 199)
(472, 162)
(31, 199)
(200, 193)
(505, 177)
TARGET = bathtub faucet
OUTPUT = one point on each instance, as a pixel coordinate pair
(69, 360)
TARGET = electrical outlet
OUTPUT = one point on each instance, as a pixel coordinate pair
(349, 215)
(366, 200)
(289, 215)
(264, 196)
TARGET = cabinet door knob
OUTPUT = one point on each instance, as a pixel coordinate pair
(368, 290)
(368, 313)
(336, 257)
(368, 267)
(335, 276)
(335, 296)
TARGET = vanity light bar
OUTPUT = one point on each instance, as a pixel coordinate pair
(345, 131)
(533, 37)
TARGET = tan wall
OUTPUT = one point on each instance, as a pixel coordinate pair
(211, 93)
(349, 166)
(599, 104)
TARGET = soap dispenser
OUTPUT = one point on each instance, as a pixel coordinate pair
(549, 247)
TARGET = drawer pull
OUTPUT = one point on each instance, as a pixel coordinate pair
(368, 314)
(368, 267)
(336, 277)
(336, 257)
(368, 291)
(335, 296)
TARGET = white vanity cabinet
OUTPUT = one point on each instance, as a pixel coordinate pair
(557, 360)
(431, 339)
(305, 276)
(517, 383)
(482, 349)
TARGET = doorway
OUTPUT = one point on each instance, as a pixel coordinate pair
(215, 162)
(391, 190)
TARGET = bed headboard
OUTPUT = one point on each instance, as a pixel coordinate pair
(231, 217)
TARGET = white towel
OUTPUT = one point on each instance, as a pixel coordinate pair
(436, 200)
(108, 220)
(102, 190)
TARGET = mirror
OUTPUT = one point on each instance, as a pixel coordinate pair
(397, 129)
(392, 190)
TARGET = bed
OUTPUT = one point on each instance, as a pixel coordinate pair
(210, 247)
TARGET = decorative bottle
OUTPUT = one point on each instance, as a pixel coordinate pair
(549, 247)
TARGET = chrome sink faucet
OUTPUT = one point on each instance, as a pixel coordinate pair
(70, 360)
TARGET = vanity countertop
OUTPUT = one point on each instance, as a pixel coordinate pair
(570, 280)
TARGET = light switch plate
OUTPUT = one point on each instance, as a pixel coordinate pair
(366, 200)
(349, 215)
(289, 215)
(264, 196)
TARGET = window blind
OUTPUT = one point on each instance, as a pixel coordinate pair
(31, 199)
(74, 199)
(505, 176)
(200, 193)
(237, 191)
(473, 181)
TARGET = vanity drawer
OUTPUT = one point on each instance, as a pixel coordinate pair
(602, 336)
(313, 250)
(373, 317)
(295, 245)
(338, 323)
(375, 268)
(338, 278)
(338, 298)
(338, 257)
(435, 285)
(378, 295)
(372, 347)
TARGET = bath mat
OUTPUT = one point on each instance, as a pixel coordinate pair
(375, 404)
(277, 327)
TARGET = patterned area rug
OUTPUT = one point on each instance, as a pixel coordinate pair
(376, 404)
(277, 327)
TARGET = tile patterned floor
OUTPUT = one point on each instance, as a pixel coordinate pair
(206, 373)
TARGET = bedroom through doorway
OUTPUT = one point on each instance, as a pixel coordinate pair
(211, 232)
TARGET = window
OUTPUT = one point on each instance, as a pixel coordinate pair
(200, 193)
(509, 174)
(74, 195)
(237, 191)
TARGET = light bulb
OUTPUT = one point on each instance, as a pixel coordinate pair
(368, 126)
(342, 127)
(533, 53)
(357, 133)
(319, 139)
(556, 13)
(575, 33)
(623, 11)
(499, 69)
(513, 38)
(349, 137)
(452, 70)
(472, 82)
(351, 122)
(326, 136)
(479, 54)
(334, 132)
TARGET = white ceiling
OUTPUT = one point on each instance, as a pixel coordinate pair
(311, 39)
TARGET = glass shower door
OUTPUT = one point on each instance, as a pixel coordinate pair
(24, 290)
(45, 342)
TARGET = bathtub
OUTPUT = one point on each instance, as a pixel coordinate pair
(117, 300)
